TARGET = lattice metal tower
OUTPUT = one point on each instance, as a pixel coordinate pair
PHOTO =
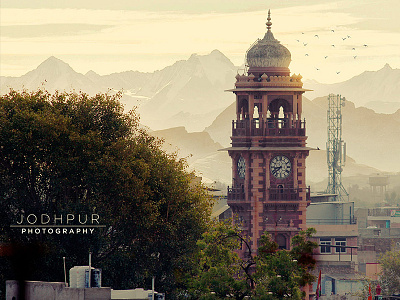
(335, 148)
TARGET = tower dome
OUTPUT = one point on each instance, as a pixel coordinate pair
(268, 52)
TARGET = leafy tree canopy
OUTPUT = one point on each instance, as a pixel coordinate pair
(269, 274)
(390, 276)
(68, 153)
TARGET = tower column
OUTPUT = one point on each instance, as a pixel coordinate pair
(257, 179)
(251, 107)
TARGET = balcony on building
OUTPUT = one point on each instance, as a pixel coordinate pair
(275, 194)
(236, 194)
(269, 127)
(288, 194)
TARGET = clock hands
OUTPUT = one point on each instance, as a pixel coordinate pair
(276, 169)
(280, 167)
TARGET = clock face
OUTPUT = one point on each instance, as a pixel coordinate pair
(280, 167)
(241, 167)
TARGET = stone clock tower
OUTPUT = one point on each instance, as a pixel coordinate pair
(269, 150)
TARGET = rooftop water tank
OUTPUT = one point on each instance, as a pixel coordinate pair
(79, 277)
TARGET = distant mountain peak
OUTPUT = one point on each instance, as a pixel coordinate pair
(53, 60)
(216, 52)
(92, 74)
(53, 63)
(387, 67)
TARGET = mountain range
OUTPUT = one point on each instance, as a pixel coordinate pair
(189, 92)
(186, 104)
(377, 90)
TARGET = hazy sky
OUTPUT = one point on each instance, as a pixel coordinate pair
(120, 35)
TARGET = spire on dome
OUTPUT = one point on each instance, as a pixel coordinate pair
(269, 20)
(268, 52)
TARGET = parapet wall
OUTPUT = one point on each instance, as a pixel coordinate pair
(39, 290)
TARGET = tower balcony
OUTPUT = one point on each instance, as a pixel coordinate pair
(269, 127)
(236, 194)
(275, 194)
(288, 194)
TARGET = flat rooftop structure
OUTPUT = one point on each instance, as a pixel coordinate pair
(41, 290)
(321, 197)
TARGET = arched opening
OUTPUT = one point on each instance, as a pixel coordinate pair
(256, 116)
(281, 117)
(281, 241)
(244, 109)
(279, 111)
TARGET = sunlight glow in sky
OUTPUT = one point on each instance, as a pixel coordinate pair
(114, 40)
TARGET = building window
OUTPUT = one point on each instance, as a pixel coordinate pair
(327, 242)
(340, 242)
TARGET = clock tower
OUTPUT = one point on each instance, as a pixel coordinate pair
(268, 149)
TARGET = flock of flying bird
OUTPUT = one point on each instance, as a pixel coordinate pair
(332, 45)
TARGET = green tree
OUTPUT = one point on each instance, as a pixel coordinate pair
(390, 276)
(220, 272)
(71, 153)
(282, 274)
(364, 292)
(269, 274)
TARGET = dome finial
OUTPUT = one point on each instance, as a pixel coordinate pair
(269, 20)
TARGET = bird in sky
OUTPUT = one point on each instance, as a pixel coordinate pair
(305, 44)
(332, 30)
(316, 36)
(333, 45)
(302, 33)
(355, 56)
(338, 72)
(317, 69)
(298, 41)
(348, 37)
(353, 48)
(365, 45)
(326, 56)
(343, 39)
(306, 54)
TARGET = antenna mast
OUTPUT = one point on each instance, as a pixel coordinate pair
(336, 148)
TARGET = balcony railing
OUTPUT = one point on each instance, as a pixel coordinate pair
(236, 194)
(270, 127)
(347, 221)
(288, 194)
(275, 194)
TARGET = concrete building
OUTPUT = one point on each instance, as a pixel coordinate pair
(39, 290)
(378, 233)
(337, 237)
